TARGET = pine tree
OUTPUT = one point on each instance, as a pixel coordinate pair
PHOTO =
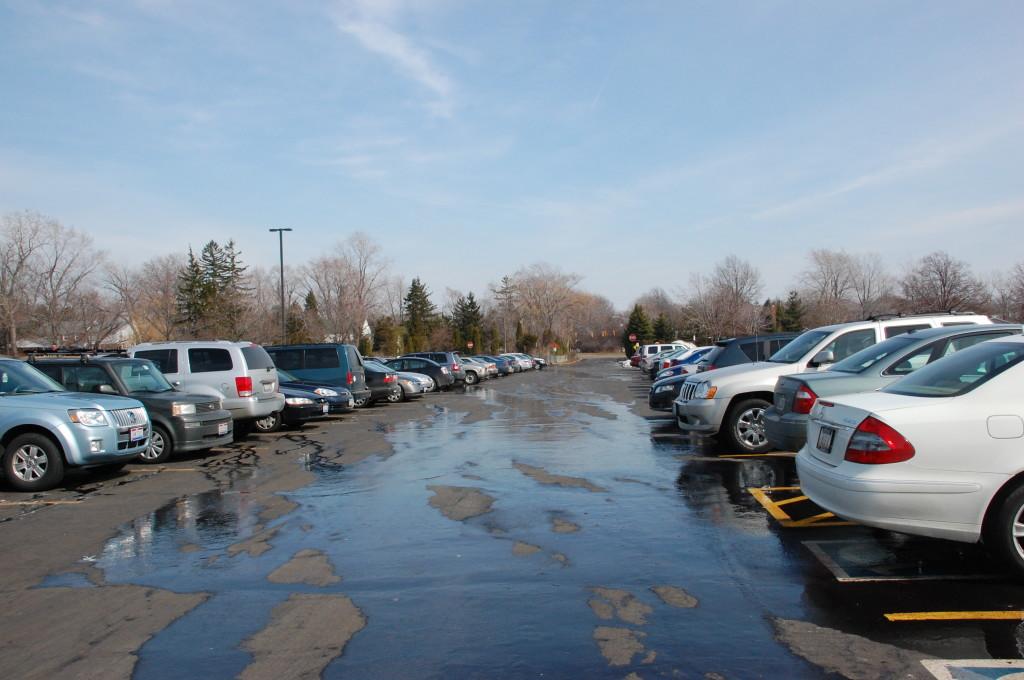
(193, 296)
(420, 315)
(638, 325)
(663, 330)
(311, 304)
(791, 316)
(467, 318)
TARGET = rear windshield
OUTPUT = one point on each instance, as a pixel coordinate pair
(869, 356)
(799, 347)
(713, 354)
(961, 372)
(256, 357)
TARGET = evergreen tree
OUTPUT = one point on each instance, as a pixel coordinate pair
(791, 316)
(295, 325)
(420, 315)
(663, 329)
(519, 335)
(192, 296)
(311, 304)
(365, 345)
(467, 319)
(638, 325)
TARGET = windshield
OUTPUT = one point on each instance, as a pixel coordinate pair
(141, 375)
(800, 346)
(696, 356)
(285, 376)
(869, 356)
(17, 377)
(961, 372)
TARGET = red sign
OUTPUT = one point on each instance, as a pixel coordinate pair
(632, 337)
(469, 345)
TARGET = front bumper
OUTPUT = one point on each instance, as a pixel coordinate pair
(293, 415)
(112, 444)
(703, 416)
(947, 508)
(785, 431)
(199, 431)
(662, 401)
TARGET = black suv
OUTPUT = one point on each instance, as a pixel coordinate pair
(449, 359)
(181, 422)
(744, 350)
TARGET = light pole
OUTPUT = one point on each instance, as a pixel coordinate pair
(280, 249)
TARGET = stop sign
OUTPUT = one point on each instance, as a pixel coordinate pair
(469, 345)
(632, 337)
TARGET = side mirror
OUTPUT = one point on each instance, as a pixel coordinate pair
(825, 356)
(176, 384)
(106, 389)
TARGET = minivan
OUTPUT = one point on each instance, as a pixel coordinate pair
(331, 363)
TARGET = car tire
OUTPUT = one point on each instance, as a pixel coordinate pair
(395, 397)
(1001, 538)
(269, 423)
(361, 402)
(433, 385)
(160, 448)
(743, 428)
(471, 378)
(33, 462)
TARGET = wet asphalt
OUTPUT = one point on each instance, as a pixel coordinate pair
(541, 525)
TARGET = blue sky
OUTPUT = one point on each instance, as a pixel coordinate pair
(630, 142)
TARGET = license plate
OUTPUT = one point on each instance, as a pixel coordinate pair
(326, 408)
(138, 433)
(825, 437)
(780, 403)
(222, 428)
(268, 387)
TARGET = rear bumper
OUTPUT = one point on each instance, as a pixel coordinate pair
(937, 507)
(786, 431)
(249, 408)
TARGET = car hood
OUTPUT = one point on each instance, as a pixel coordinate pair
(672, 380)
(298, 392)
(172, 397)
(761, 370)
(65, 400)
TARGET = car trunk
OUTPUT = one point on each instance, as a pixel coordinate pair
(261, 371)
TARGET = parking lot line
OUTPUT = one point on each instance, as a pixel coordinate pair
(39, 502)
(777, 454)
(774, 508)
(998, 615)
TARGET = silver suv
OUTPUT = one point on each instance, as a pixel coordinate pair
(242, 374)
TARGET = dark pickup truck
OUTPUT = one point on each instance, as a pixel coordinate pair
(181, 421)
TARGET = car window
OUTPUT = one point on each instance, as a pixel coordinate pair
(208, 359)
(141, 376)
(799, 346)
(322, 357)
(288, 359)
(52, 371)
(959, 323)
(165, 359)
(962, 372)
(913, 361)
(957, 344)
(256, 357)
(850, 343)
(17, 377)
(89, 378)
(869, 356)
(893, 331)
(354, 357)
(751, 349)
(775, 345)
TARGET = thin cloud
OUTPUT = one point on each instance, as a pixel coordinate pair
(370, 24)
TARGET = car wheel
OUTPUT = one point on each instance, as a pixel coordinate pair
(744, 426)
(471, 378)
(160, 446)
(33, 463)
(433, 385)
(1005, 535)
(361, 402)
(270, 423)
(395, 397)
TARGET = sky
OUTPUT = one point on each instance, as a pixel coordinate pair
(632, 143)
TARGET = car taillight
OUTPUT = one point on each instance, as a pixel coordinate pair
(348, 378)
(455, 367)
(804, 401)
(390, 378)
(875, 443)
(244, 386)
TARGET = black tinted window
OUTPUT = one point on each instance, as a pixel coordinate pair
(165, 359)
(288, 359)
(322, 357)
(775, 345)
(88, 378)
(208, 359)
(52, 371)
(256, 357)
(751, 349)
(355, 359)
(892, 331)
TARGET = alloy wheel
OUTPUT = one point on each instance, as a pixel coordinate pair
(750, 427)
(1018, 532)
(156, 446)
(30, 463)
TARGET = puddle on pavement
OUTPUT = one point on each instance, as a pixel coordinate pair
(518, 588)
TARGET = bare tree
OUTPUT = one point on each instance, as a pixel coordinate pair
(147, 296)
(724, 303)
(871, 286)
(544, 294)
(937, 282)
(828, 284)
(63, 266)
(21, 236)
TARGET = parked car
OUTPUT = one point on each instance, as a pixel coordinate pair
(451, 360)
(241, 373)
(684, 366)
(504, 364)
(325, 363)
(300, 406)
(45, 429)
(475, 371)
(635, 359)
(180, 421)
(339, 399)
(664, 392)
(731, 401)
(668, 360)
(937, 453)
(870, 369)
(490, 366)
(413, 385)
(383, 384)
(540, 363)
(647, 352)
(438, 373)
(524, 361)
(746, 349)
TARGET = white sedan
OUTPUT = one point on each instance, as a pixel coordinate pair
(939, 453)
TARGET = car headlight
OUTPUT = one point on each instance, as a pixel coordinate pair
(90, 417)
(705, 390)
(663, 388)
(182, 409)
(324, 392)
(298, 401)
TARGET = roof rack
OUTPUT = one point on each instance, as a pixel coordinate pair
(902, 315)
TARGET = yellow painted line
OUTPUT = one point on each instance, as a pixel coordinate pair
(794, 499)
(769, 505)
(161, 469)
(39, 502)
(784, 519)
(819, 521)
(801, 524)
(1000, 615)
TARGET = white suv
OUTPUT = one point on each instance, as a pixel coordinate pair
(731, 401)
(241, 373)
